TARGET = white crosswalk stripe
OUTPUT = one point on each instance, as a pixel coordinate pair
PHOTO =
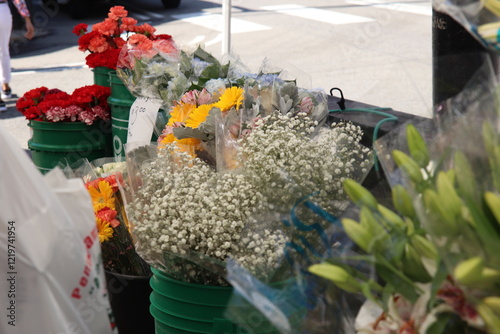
(326, 16)
(421, 9)
(215, 22)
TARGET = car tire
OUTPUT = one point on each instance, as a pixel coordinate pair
(171, 3)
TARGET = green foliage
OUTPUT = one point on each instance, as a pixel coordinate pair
(448, 217)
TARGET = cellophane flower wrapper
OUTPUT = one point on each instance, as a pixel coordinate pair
(148, 72)
(264, 94)
(118, 251)
(480, 18)
(464, 145)
(306, 200)
(166, 76)
(189, 219)
(295, 301)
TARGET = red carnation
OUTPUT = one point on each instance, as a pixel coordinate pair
(80, 29)
(162, 36)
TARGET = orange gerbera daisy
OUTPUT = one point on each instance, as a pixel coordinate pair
(180, 112)
(102, 196)
(104, 230)
(232, 97)
(198, 115)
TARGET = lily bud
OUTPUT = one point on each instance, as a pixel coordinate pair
(469, 271)
(413, 266)
(424, 246)
(378, 234)
(493, 201)
(491, 319)
(466, 179)
(489, 277)
(393, 218)
(358, 234)
(448, 196)
(337, 275)
(359, 195)
(408, 165)
(416, 145)
(402, 201)
(493, 303)
(443, 224)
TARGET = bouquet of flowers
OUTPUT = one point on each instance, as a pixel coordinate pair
(436, 254)
(228, 108)
(118, 251)
(86, 104)
(107, 38)
(163, 72)
(272, 150)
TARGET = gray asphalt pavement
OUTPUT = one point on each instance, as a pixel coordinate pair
(379, 53)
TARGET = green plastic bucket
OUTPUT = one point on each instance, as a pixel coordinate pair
(119, 91)
(66, 143)
(101, 75)
(180, 307)
(120, 111)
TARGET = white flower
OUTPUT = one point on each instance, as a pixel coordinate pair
(185, 210)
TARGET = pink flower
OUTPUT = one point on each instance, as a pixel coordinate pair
(101, 112)
(72, 112)
(128, 24)
(145, 29)
(166, 46)
(107, 27)
(87, 116)
(98, 44)
(117, 12)
(56, 114)
(306, 105)
(196, 97)
(108, 215)
(140, 42)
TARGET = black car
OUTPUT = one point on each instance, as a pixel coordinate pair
(82, 8)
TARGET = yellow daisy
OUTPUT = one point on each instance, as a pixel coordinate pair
(198, 116)
(102, 196)
(180, 112)
(170, 138)
(189, 145)
(232, 97)
(105, 231)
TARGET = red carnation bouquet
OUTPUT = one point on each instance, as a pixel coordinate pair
(86, 104)
(108, 37)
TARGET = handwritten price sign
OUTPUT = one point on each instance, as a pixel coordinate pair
(142, 119)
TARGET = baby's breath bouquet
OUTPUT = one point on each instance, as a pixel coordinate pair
(189, 217)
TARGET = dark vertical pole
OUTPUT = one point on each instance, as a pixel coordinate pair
(456, 56)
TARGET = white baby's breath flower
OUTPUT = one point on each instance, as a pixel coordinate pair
(187, 210)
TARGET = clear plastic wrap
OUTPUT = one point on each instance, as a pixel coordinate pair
(190, 218)
(481, 18)
(445, 181)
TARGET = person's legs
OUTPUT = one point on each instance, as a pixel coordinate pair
(5, 33)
